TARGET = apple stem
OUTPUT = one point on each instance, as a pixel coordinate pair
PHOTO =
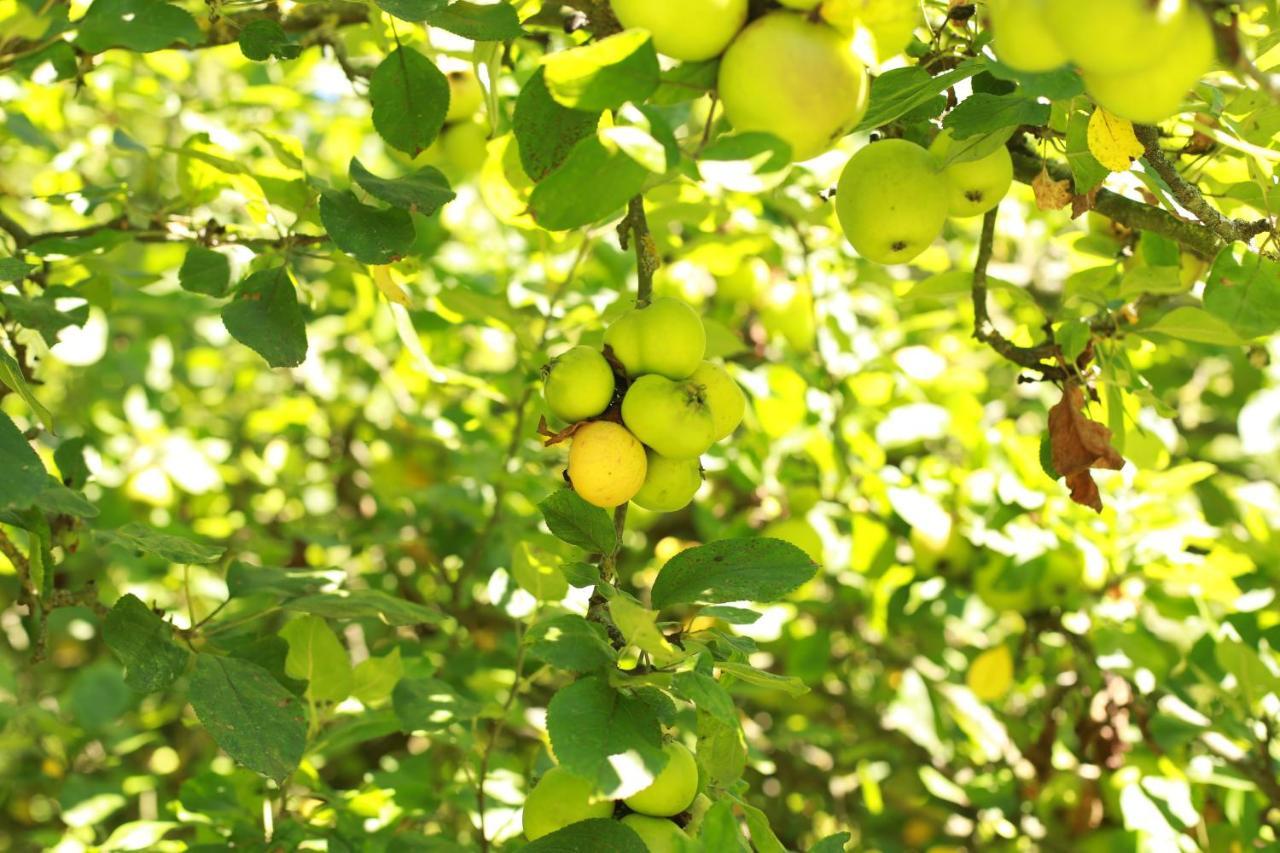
(633, 232)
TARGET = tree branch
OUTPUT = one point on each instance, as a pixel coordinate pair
(1032, 358)
(634, 231)
(208, 236)
(1189, 196)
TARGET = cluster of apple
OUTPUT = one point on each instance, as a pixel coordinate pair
(894, 196)
(674, 407)
(561, 798)
(789, 74)
(1137, 58)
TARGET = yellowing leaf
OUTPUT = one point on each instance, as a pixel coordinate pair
(390, 289)
(991, 674)
(1112, 141)
(1050, 194)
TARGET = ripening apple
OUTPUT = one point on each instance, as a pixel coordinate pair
(673, 789)
(1115, 36)
(891, 200)
(799, 533)
(786, 309)
(606, 464)
(465, 96)
(1022, 38)
(1004, 586)
(665, 337)
(658, 834)
(973, 186)
(559, 799)
(578, 385)
(462, 148)
(723, 396)
(670, 416)
(795, 78)
(669, 484)
(745, 283)
(688, 30)
(1061, 583)
(1155, 92)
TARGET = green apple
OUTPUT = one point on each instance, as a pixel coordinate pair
(463, 149)
(673, 789)
(1115, 36)
(795, 78)
(670, 416)
(723, 396)
(1006, 586)
(465, 96)
(891, 200)
(665, 337)
(578, 385)
(801, 5)
(1061, 583)
(1022, 38)
(1156, 92)
(669, 484)
(658, 834)
(746, 283)
(559, 799)
(973, 186)
(688, 30)
(786, 310)
(798, 532)
(949, 558)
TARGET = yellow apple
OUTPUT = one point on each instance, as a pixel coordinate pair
(1021, 36)
(606, 464)
(1115, 36)
(689, 30)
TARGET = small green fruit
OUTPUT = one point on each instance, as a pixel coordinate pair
(669, 484)
(671, 417)
(465, 96)
(579, 385)
(799, 533)
(658, 834)
(891, 201)
(786, 309)
(1006, 586)
(1022, 38)
(795, 78)
(688, 30)
(723, 396)
(746, 283)
(973, 186)
(673, 789)
(665, 337)
(560, 798)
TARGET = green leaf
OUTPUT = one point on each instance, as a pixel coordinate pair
(900, 90)
(762, 836)
(410, 97)
(144, 644)
(1058, 85)
(745, 162)
(748, 673)
(559, 202)
(373, 679)
(1253, 678)
(982, 113)
(749, 569)
(42, 314)
(488, 22)
(69, 457)
(371, 235)
(317, 657)
(266, 317)
(247, 579)
(832, 843)
(977, 146)
(1243, 288)
(1073, 336)
(577, 522)
(570, 642)
(255, 720)
(262, 39)
(684, 82)
(604, 74)
(429, 704)
(546, 131)
(732, 615)
(1086, 171)
(411, 10)
(589, 836)
(205, 271)
(1193, 324)
(12, 269)
(57, 499)
(424, 191)
(591, 723)
(11, 375)
(639, 626)
(1144, 279)
(707, 694)
(365, 604)
(95, 241)
(138, 25)
(537, 575)
(722, 750)
(175, 549)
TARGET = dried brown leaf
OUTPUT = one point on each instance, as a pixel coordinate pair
(1077, 445)
(1083, 203)
(1050, 194)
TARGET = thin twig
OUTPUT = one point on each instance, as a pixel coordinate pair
(634, 232)
(483, 772)
(20, 562)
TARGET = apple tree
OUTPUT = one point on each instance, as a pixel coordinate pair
(639, 425)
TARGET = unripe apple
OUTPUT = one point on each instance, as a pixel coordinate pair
(1003, 586)
(1155, 92)
(1061, 583)
(669, 484)
(665, 337)
(1115, 36)
(795, 78)
(973, 186)
(799, 533)
(800, 5)
(670, 416)
(463, 149)
(1021, 36)
(465, 96)
(891, 201)
(658, 834)
(578, 384)
(606, 464)
(786, 309)
(673, 789)
(688, 30)
(745, 284)
(559, 799)
(723, 396)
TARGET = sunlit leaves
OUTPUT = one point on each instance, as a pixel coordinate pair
(901, 90)
(317, 656)
(562, 200)
(605, 74)
(410, 98)
(605, 735)
(429, 704)
(545, 130)
(141, 25)
(477, 21)
(1112, 141)
(570, 642)
(424, 191)
(1243, 288)
(167, 546)
(752, 569)
(265, 316)
(982, 113)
